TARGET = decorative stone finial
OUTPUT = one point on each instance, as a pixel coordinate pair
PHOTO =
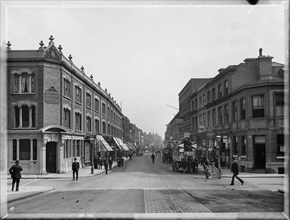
(91, 77)
(99, 84)
(8, 45)
(109, 94)
(82, 68)
(70, 57)
(59, 48)
(51, 39)
(106, 90)
(260, 52)
(41, 45)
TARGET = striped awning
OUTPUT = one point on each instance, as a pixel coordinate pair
(104, 143)
(118, 144)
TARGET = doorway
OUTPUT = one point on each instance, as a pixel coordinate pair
(259, 156)
(51, 157)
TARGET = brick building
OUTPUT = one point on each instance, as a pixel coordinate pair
(240, 113)
(56, 112)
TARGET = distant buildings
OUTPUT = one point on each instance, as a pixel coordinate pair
(238, 113)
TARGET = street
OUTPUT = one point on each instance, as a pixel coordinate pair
(143, 187)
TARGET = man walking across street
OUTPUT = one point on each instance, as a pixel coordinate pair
(235, 170)
(15, 172)
(75, 169)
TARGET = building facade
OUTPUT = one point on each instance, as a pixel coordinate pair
(55, 111)
(240, 113)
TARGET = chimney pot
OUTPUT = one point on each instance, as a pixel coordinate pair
(260, 52)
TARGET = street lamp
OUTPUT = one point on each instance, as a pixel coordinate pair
(219, 138)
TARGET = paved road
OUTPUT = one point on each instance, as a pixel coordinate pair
(143, 187)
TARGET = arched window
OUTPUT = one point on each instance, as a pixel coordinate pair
(25, 116)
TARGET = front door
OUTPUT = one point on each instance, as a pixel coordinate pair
(259, 156)
(51, 157)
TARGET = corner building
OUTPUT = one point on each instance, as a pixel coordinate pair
(53, 107)
(240, 113)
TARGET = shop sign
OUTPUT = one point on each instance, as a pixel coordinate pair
(51, 96)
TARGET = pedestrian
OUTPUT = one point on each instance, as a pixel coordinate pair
(75, 169)
(153, 157)
(205, 163)
(100, 163)
(105, 162)
(15, 172)
(235, 170)
(110, 162)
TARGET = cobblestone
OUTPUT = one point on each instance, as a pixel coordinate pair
(171, 201)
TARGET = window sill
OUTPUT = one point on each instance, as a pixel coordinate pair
(24, 93)
(280, 157)
(80, 103)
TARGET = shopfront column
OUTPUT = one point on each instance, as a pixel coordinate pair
(43, 158)
(30, 116)
(61, 156)
(20, 116)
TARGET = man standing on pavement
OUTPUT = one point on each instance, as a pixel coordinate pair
(75, 169)
(235, 170)
(15, 172)
(105, 162)
(153, 157)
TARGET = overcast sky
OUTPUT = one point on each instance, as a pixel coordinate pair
(145, 55)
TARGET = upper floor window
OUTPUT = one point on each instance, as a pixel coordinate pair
(104, 127)
(67, 86)
(235, 111)
(226, 113)
(192, 105)
(97, 105)
(204, 120)
(24, 116)
(243, 108)
(244, 145)
(208, 119)
(67, 118)
(226, 87)
(203, 98)
(200, 102)
(195, 104)
(103, 108)
(280, 145)
(208, 96)
(258, 106)
(109, 112)
(220, 90)
(214, 117)
(78, 118)
(78, 94)
(88, 100)
(89, 124)
(97, 126)
(279, 104)
(24, 82)
(220, 116)
(213, 94)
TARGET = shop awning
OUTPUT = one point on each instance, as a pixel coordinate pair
(104, 143)
(131, 146)
(125, 147)
(117, 143)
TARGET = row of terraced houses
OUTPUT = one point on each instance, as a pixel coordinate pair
(56, 112)
(239, 113)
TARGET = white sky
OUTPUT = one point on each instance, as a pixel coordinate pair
(145, 55)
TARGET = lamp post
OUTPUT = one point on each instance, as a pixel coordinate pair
(218, 152)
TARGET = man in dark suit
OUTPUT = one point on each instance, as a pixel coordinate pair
(235, 170)
(75, 169)
(15, 172)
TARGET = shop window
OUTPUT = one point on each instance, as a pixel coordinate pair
(34, 149)
(244, 145)
(78, 147)
(74, 148)
(14, 153)
(66, 149)
(279, 104)
(24, 149)
(258, 106)
(280, 145)
(235, 145)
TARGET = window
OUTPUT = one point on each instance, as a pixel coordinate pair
(235, 111)
(243, 108)
(192, 105)
(200, 102)
(226, 87)
(220, 116)
(204, 100)
(103, 108)
(78, 147)
(200, 120)
(24, 149)
(88, 100)
(66, 148)
(89, 124)
(280, 145)
(235, 145)
(213, 94)
(258, 106)
(204, 122)
(97, 105)
(279, 104)
(25, 116)
(17, 121)
(14, 156)
(16, 83)
(208, 96)
(74, 148)
(220, 91)
(226, 113)
(193, 123)
(195, 103)
(104, 128)
(24, 82)
(214, 117)
(208, 119)
(244, 145)
(78, 118)
(66, 87)
(97, 126)
(78, 94)
(109, 129)
(109, 112)
(66, 118)
(34, 149)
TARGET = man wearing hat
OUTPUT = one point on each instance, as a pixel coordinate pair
(15, 172)
(75, 169)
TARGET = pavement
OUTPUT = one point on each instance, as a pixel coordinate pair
(26, 191)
